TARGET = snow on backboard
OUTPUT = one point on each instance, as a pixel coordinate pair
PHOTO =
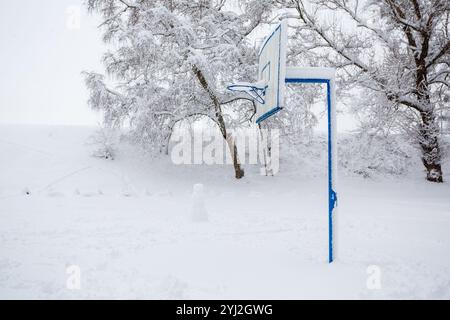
(272, 70)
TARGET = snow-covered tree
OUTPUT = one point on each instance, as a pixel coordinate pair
(171, 60)
(396, 50)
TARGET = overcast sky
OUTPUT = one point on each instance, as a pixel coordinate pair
(44, 47)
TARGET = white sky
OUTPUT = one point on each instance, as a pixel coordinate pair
(45, 45)
(42, 55)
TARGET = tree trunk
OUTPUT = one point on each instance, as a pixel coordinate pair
(429, 143)
(238, 172)
(429, 128)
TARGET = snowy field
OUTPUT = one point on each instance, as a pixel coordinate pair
(126, 224)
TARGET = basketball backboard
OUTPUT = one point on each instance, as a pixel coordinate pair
(268, 91)
(272, 71)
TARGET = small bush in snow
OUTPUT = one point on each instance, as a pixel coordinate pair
(358, 154)
(371, 155)
(104, 140)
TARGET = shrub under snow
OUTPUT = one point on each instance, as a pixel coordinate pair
(372, 155)
(358, 154)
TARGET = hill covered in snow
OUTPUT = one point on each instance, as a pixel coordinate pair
(127, 226)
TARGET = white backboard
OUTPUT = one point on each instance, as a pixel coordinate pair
(272, 71)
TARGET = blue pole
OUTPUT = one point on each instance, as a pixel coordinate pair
(331, 194)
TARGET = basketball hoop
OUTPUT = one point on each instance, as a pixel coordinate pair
(256, 90)
(269, 92)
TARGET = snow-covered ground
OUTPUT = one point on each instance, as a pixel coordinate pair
(127, 225)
